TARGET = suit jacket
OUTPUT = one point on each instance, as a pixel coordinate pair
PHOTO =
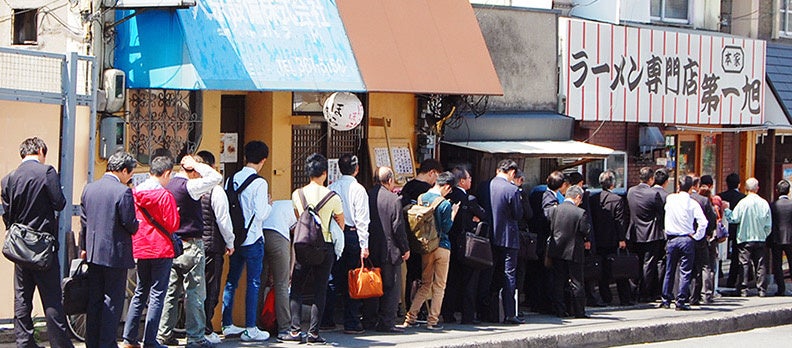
(468, 208)
(608, 219)
(646, 208)
(506, 210)
(570, 229)
(525, 201)
(549, 201)
(31, 195)
(387, 230)
(709, 212)
(107, 217)
(781, 210)
(733, 197)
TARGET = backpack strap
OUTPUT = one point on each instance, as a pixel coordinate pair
(324, 200)
(437, 202)
(302, 199)
(246, 183)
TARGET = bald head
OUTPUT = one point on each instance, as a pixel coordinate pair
(384, 175)
(752, 185)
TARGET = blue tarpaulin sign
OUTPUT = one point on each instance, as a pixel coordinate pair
(295, 45)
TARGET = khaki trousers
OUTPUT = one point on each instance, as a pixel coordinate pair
(433, 283)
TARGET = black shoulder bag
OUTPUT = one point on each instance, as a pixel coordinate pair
(178, 246)
(26, 247)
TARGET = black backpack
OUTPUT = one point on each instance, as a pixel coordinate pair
(309, 243)
(235, 209)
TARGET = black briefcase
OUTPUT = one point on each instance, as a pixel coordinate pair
(592, 267)
(478, 251)
(76, 288)
(528, 242)
(29, 248)
(624, 265)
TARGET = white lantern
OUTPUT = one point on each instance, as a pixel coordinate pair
(343, 111)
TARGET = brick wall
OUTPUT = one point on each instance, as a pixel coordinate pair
(619, 136)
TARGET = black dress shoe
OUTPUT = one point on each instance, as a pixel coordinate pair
(664, 305)
(393, 330)
(514, 321)
(682, 307)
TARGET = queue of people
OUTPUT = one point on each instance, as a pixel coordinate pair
(551, 245)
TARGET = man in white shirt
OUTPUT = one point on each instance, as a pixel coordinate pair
(277, 262)
(218, 238)
(254, 200)
(681, 212)
(356, 212)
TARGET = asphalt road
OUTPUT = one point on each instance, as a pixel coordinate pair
(777, 336)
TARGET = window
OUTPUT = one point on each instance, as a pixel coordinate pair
(309, 103)
(617, 162)
(25, 26)
(673, 11)
(785, 14)
(163, 119)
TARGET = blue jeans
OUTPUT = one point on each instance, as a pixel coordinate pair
(253, 256)
(152, 285)
(679, 251)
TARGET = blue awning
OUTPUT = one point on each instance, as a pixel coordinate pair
(239, 45)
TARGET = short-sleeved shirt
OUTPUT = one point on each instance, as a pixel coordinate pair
(313, 194)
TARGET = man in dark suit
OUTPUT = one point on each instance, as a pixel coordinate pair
(506, 211)
(388, 248)
(107, 217)
(733, 196)
(462, 280)
(645, 231)
(570, 230)
(608, 218)
(701, 259)
(31, 195)
(781, 235)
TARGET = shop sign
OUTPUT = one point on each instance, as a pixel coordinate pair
(617, 73)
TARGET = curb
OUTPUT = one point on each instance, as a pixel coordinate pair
(636, 332)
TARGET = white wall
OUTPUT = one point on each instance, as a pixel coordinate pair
(59, 26)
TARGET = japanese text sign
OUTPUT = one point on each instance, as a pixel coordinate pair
(617, 73)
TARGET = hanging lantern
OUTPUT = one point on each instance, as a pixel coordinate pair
(343, 111)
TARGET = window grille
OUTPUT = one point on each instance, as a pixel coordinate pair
(163, 119)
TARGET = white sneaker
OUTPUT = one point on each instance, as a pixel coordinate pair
(213, 338)
(254, 334)
(232, 329)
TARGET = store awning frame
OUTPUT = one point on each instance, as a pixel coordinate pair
(541, 149)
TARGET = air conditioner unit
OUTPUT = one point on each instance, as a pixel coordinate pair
(149, 3)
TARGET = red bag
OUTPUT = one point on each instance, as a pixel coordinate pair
(269, 319)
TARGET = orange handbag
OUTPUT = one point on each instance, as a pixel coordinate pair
(365, 282)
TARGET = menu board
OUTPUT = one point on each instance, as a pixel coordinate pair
(401, 151)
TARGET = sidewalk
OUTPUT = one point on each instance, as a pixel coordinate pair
(607, 327)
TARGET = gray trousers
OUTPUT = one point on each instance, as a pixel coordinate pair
(277, 262)
(186, 277)
(380, 313)
(753, 254)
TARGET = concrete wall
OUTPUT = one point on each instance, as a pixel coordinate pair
(59, 26)
(523, 47)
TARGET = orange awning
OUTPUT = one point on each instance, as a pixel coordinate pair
(419, 46)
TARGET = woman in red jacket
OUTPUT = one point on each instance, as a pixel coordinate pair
(152, 246)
